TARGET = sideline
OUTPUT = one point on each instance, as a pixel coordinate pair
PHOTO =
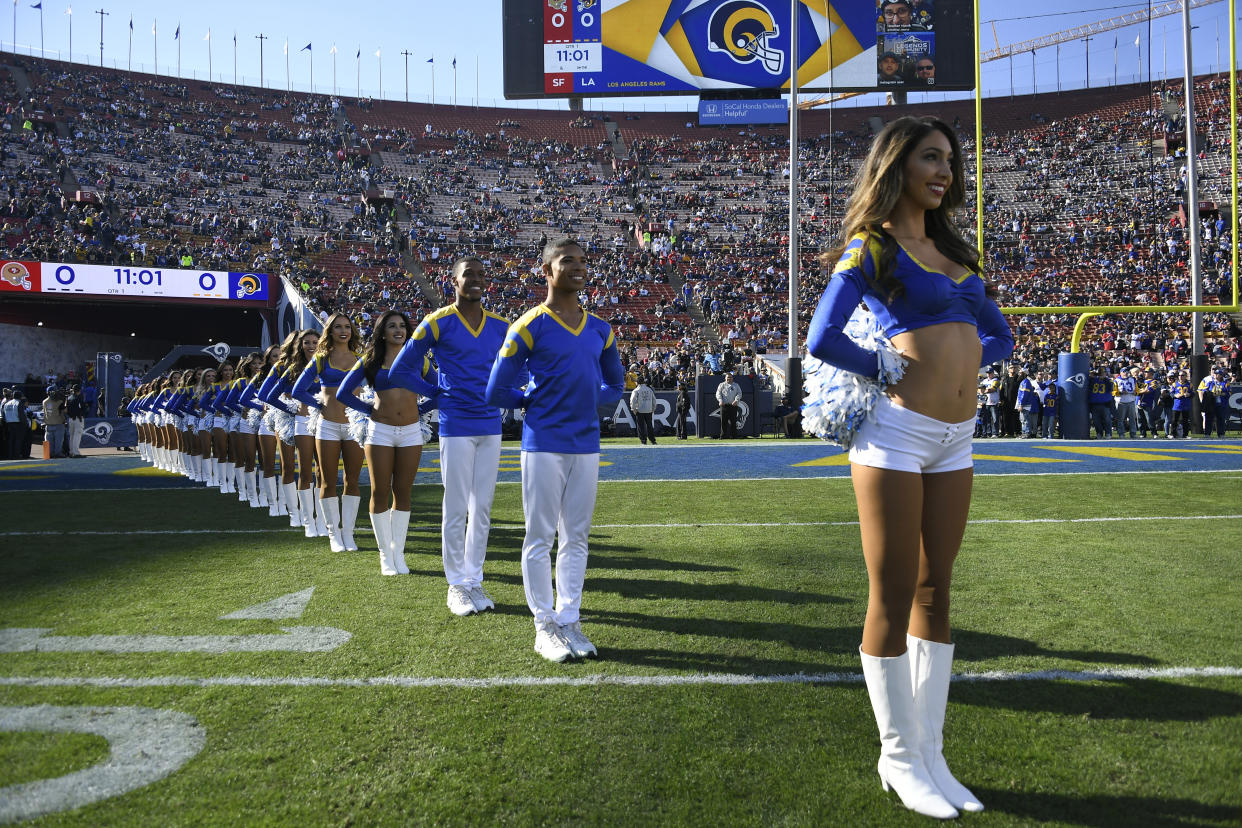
(1105, 674)
(700, 525)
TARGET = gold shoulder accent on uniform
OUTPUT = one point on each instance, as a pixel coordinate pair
(611, 339)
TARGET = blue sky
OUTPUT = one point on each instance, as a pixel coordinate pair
(470, 31)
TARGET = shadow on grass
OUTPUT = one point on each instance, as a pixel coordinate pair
(818, 639)
(659, 590)
(708, 662)
(1145, 700)
(1106, 811)
(979, 646)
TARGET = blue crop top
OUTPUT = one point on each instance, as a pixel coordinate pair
(930, 298)
(384, 380)
(318, 374)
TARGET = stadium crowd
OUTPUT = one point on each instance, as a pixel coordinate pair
(687, 236)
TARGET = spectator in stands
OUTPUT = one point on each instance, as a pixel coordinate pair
(1149, 409)
(1182, 392)
(1009, 402)
(1127, 398)
(1100, 393)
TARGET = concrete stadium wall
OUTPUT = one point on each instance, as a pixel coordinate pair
(27, 349)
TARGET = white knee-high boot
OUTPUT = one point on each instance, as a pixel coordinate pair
(239, 483)
(273, 497)
(332, 516)
(291, 504)
(213, 471)
(931, 667)
(225, 480)
(306, 501)
(252, 490)
(349, 519)
(321, 526)
(381, 524)
(400, 524)
(260, 490)
(901, 766)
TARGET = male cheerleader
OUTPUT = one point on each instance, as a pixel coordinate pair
(574, 368)
(465, 339)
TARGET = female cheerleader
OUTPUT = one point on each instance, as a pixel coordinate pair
(394, 441)
(911, 460)
(220, 428)
(266, 437)
(241, 398)
(336, 354)
(273, 392)
(303, 440)
(205, 394)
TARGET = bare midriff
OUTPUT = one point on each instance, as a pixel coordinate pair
(942, 377)
(395, 407)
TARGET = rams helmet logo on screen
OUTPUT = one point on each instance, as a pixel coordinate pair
(247, 285)
(742, 30)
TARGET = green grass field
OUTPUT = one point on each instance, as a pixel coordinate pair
(728, 580)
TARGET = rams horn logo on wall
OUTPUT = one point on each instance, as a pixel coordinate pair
(247, 285)
(16, 274)
(1078, 379)
(742, 29)
(220, 351)
(100, 432)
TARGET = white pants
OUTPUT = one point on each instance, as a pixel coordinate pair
(77, 424)
(558, 496)
(468, 467)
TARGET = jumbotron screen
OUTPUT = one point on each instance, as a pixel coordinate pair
(562, 48)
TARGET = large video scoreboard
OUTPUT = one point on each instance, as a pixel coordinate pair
(561, 48)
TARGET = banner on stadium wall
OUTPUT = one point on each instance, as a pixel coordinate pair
(1235, 408)
(109, 432)
(137, 282)
(624, 424)
(292, 314)
(715, 113)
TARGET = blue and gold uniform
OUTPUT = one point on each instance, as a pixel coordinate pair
(572, 373)
(930, 298)
(465, 357)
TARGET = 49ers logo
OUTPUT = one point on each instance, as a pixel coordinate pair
(16, 274)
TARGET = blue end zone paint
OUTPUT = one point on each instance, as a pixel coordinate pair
(709, 460)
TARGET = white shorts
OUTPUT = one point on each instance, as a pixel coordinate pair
(301, 426)
(379, 434)
(265, 430)
(328, 430)
(235, 422)
(220, 421)
(244, 427)
(897, 438)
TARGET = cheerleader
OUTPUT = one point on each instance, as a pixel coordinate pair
(336, 354)
(303, 440)
(242, 399)
(281, 422)
(185, 428)
(220, 428)
(204, 394)
(265, 436)
(394, 435)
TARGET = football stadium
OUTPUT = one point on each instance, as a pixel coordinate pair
(698, 343)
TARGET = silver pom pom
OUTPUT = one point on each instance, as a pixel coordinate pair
(359, 423)
(838, 401)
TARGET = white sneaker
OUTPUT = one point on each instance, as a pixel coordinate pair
(459, 602)
(482, 601)
(579, 644)
(551, 643)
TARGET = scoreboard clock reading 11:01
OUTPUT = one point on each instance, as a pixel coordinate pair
(136, 282)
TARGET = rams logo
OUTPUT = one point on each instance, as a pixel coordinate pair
(584, 5)
(1078, 379)
(16, 274)
(510, 348)
(742, 29)
(220, 351)
(100, 432)
(247, 285)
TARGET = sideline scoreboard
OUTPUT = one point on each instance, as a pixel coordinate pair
(560, 48)
(50, 278)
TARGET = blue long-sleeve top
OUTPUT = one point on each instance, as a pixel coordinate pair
(222, 393)
(572, 373)
(316, 376)
(930, 298)
(204, 400)
(423, 383)
(269, 390)
(249, 396)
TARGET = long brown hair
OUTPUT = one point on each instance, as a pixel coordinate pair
(373, 357)
(325, 338)
(286, 349)
(877, 189)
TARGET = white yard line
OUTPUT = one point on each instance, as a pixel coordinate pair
(105, 682)
(697, 525)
